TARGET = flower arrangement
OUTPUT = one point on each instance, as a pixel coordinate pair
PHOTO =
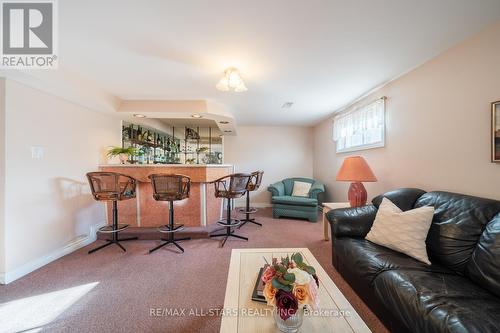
(289, 284)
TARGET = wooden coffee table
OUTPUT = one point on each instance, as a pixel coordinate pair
(244, 315)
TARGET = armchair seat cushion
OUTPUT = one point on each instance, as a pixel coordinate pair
(294, 201)
(430, 302)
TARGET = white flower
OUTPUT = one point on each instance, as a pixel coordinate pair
(301, 277)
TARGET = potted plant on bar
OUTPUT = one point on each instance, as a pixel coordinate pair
(122, 153)
(290, 285)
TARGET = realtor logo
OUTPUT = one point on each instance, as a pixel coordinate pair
(28, 34)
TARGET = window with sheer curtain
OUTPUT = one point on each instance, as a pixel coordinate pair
(361, 128)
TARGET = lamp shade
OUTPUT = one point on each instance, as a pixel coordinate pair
(355, 169)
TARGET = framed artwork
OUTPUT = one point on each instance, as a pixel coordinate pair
(495, 132)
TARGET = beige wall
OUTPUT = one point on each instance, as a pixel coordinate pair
(2, 176)
(49, 209)
(281, 152)
(438, 126)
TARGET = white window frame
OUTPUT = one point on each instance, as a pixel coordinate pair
(365, 108)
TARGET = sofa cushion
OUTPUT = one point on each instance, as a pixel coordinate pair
(295, 201)
(301, 189)
(404, 232)
(458, 223)
(367, 260)
(430, 302)
(484, 266)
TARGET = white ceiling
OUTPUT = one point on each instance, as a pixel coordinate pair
(318, 54)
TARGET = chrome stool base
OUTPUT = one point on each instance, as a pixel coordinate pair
(170, 230)
(169, 187)
(166, 228)
(113, 230)
(113, 241)
(229, 233)
(247, 211)
(245, 221)
(251, 210)
(170, 241)
(232, 224)
(226, 235)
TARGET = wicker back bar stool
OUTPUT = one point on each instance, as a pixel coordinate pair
(114, 187)
(170, 188)
(230, 187)
(253, 185)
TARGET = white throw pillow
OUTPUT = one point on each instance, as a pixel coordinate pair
(301, 189)
(400, 231)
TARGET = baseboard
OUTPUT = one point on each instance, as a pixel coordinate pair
(29, 267)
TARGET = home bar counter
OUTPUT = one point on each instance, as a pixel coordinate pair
(200, 209)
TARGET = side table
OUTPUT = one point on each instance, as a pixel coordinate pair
(328, 206)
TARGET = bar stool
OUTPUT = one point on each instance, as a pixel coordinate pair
(114, 187)
(170, 188)
(230, 187)
(253, 185)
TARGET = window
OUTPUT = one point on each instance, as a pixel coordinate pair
(361, 128)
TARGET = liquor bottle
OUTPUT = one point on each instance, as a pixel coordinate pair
(167, 147)
(139, 133)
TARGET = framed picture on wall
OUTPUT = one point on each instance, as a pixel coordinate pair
(495, 132)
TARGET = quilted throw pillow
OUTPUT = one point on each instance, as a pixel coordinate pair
(301, 189)
(400, 231)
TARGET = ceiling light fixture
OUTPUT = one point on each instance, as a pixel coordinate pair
(138, 115)
(231, 81)
(287, 105)
(195, 115)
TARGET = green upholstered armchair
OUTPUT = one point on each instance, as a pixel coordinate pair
(284, 204)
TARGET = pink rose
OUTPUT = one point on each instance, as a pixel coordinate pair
(313, 295)
(268, 274)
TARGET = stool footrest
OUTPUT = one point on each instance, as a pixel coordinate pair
(251, 210)
(232, 223)
(166, 228)
(108, 229)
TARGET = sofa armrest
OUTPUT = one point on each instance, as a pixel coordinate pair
(316, 188)
(351, 222)
(277, 189)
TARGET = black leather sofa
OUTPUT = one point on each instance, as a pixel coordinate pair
(459, 292)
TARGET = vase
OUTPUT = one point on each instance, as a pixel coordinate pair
(290, 325)
(123, 158)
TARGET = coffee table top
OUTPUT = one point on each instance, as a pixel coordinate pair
(244, 315)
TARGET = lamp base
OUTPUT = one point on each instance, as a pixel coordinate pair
(357, 194)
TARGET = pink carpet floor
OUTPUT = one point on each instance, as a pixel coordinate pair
(128, 285)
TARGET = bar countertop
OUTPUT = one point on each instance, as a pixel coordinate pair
(199, 209)
(199, 173)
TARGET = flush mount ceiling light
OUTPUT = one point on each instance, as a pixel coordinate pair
(196, 115)
(231, 81)
(287, 105)
(138, 115)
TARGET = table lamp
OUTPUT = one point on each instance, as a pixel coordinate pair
(354, 169)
